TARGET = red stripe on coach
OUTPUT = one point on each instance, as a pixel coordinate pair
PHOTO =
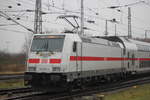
(34, 61)
(55, 61)
(146, 59)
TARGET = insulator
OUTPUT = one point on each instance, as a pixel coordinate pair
(18, 4)
(18, 18)
(8, 18)
(9, 6)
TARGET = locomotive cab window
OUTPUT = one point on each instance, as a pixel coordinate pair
(47, 44)
(74, 46)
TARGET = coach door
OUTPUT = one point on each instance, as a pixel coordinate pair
(123, 55)
(131, 60)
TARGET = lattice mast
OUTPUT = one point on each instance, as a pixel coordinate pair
(129, 23)
(82, 17)
(38, 17)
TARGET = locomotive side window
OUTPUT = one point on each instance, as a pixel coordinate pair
(128, 55)
(74, 46)
(128, 64)
(133, 61)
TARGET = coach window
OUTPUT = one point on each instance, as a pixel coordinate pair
(128, 64)
(124, 51)
(74, 46)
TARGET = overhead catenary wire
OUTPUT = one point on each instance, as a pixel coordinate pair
(7, 4)
(8, 17)
(135, 27)
(97, 17)
(12, 3)
(7, 24)
(136, 18)
(64, 10)
(11, 30)
(27, 3)
(102, 19)
(16, 14)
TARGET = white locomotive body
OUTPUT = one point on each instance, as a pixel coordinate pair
(62, 59)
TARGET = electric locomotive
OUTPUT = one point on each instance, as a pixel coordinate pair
(71, 60)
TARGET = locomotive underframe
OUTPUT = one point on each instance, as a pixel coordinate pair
(48, 81)
(63, 81)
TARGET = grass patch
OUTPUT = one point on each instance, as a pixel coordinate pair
(11, 73)
(14, 83)
(135, 93)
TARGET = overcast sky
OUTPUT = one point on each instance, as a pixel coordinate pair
(12, 37)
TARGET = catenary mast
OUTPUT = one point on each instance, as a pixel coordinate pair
(82, 17)
(129, 23)
(38, 17)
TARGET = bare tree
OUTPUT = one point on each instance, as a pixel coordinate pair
(26, 44)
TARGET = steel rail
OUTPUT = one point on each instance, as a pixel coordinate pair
(15, 90)
(83, 92)
(105, 88)
(14, 76)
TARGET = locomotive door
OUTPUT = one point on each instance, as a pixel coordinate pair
(80, 56)
(77, 48)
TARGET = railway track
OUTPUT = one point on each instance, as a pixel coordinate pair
(15, 90)
(24, 96)
(98, 89)
(9, 94)
(11, 76)
(31, 95)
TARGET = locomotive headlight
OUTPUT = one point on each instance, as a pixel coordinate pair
(26, 83)
(56, 69)
(31, 69)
